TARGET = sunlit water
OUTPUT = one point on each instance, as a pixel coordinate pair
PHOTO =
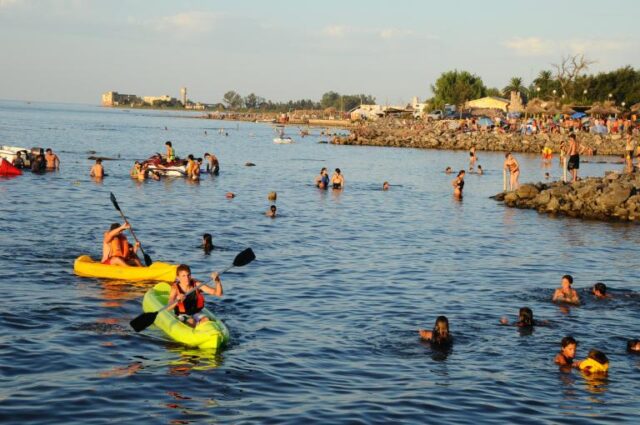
(324, 321)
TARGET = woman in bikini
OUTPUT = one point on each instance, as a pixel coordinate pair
(337, 180)
(511, 165)
(458, 184)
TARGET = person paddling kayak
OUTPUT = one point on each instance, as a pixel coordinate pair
(115, 247)
(188, 309)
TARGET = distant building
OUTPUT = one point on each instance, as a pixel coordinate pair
(113, 98)
(152, 100)
(489, 102)
(516, 104)
(183, 96)
(418, 107)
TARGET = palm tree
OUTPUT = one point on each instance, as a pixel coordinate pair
(545, 82)
(515, 84)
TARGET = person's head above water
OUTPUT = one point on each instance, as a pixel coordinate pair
(461, 173)
(633, 346)
(525, 317)
(599, 290)
(448, 170)
(385, 186)
(167, 143)
(441, 328)
(207, 241)
(273, 209)
(569, 345)
(567, 281)
(338, 170)
(323, 170)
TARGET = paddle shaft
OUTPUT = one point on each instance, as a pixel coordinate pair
(147, 258)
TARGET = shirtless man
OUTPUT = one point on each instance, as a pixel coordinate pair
(97, 170)
(53, 162)
(575, 149)
(115, 247)
(511, 165)
(630, 147)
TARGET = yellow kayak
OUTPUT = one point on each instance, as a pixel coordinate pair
(87, 267)
(212, 335)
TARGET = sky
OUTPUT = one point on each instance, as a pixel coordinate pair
(74, 50)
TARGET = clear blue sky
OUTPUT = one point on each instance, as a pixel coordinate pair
(73, 50)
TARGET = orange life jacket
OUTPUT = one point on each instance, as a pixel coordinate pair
(192, 304)
(119, 247)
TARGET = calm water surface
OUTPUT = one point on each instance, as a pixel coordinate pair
(324, 321)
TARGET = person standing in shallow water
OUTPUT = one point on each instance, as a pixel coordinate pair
(575, 149)
(458, 184)
(337, 179)
(472, 158)
(511, 165)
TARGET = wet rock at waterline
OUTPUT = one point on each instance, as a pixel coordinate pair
(612, 197)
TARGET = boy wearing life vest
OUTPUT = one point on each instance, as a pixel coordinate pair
(188, 308)
(115, 247)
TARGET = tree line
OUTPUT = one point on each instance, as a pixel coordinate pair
(232, 100)
(567, 82)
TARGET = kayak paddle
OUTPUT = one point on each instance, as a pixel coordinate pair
(145, 320)
(147, 258)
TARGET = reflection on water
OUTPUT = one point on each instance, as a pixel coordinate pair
(323, 322)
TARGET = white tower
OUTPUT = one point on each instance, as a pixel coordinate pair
(183, 95)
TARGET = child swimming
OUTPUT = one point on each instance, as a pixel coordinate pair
(525, 319)
(565, 358)
(439, 336)
(595, 363)
(599, 291)
(633, 346)
(566, 294)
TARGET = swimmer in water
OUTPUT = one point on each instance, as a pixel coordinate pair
(448, 170)
(547, 176)
(480, 170)
(633, 346)
(271, 212)
(337, 179)
(599, 290)
(458, 184)
(440, 335)
(385, 186)
(322, 180)
(595, 363)
(566, 294)
(207, 243)
(525, 319)
(565, 358)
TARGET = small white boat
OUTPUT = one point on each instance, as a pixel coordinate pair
(10, 153)
(283, 140)
(172, 171)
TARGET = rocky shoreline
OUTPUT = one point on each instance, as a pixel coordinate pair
(614, 197)
(439, 136)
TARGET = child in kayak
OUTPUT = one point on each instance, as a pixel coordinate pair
(595, 363)
(567, 353)
(439, 336)
(188, 309)
(566, 294)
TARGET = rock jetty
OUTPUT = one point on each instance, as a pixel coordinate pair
(440, 136)
(614, 197)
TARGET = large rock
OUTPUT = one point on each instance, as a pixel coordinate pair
(614, 196)
(527, 191)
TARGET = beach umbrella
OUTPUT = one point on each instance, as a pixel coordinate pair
(567, 110)
(485, 122)
(577, 115)
(635, 108)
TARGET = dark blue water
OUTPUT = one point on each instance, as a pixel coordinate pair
(324, 321)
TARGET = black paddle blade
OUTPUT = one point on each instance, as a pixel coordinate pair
(147, 259)
(114, 201)
(244, 258)
(143, 321)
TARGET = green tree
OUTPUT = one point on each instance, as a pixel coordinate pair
(515, 84)
(251, 101)
(494, 91)
(232, 100)
(456, 87)
(330, 99)
(547, 84)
